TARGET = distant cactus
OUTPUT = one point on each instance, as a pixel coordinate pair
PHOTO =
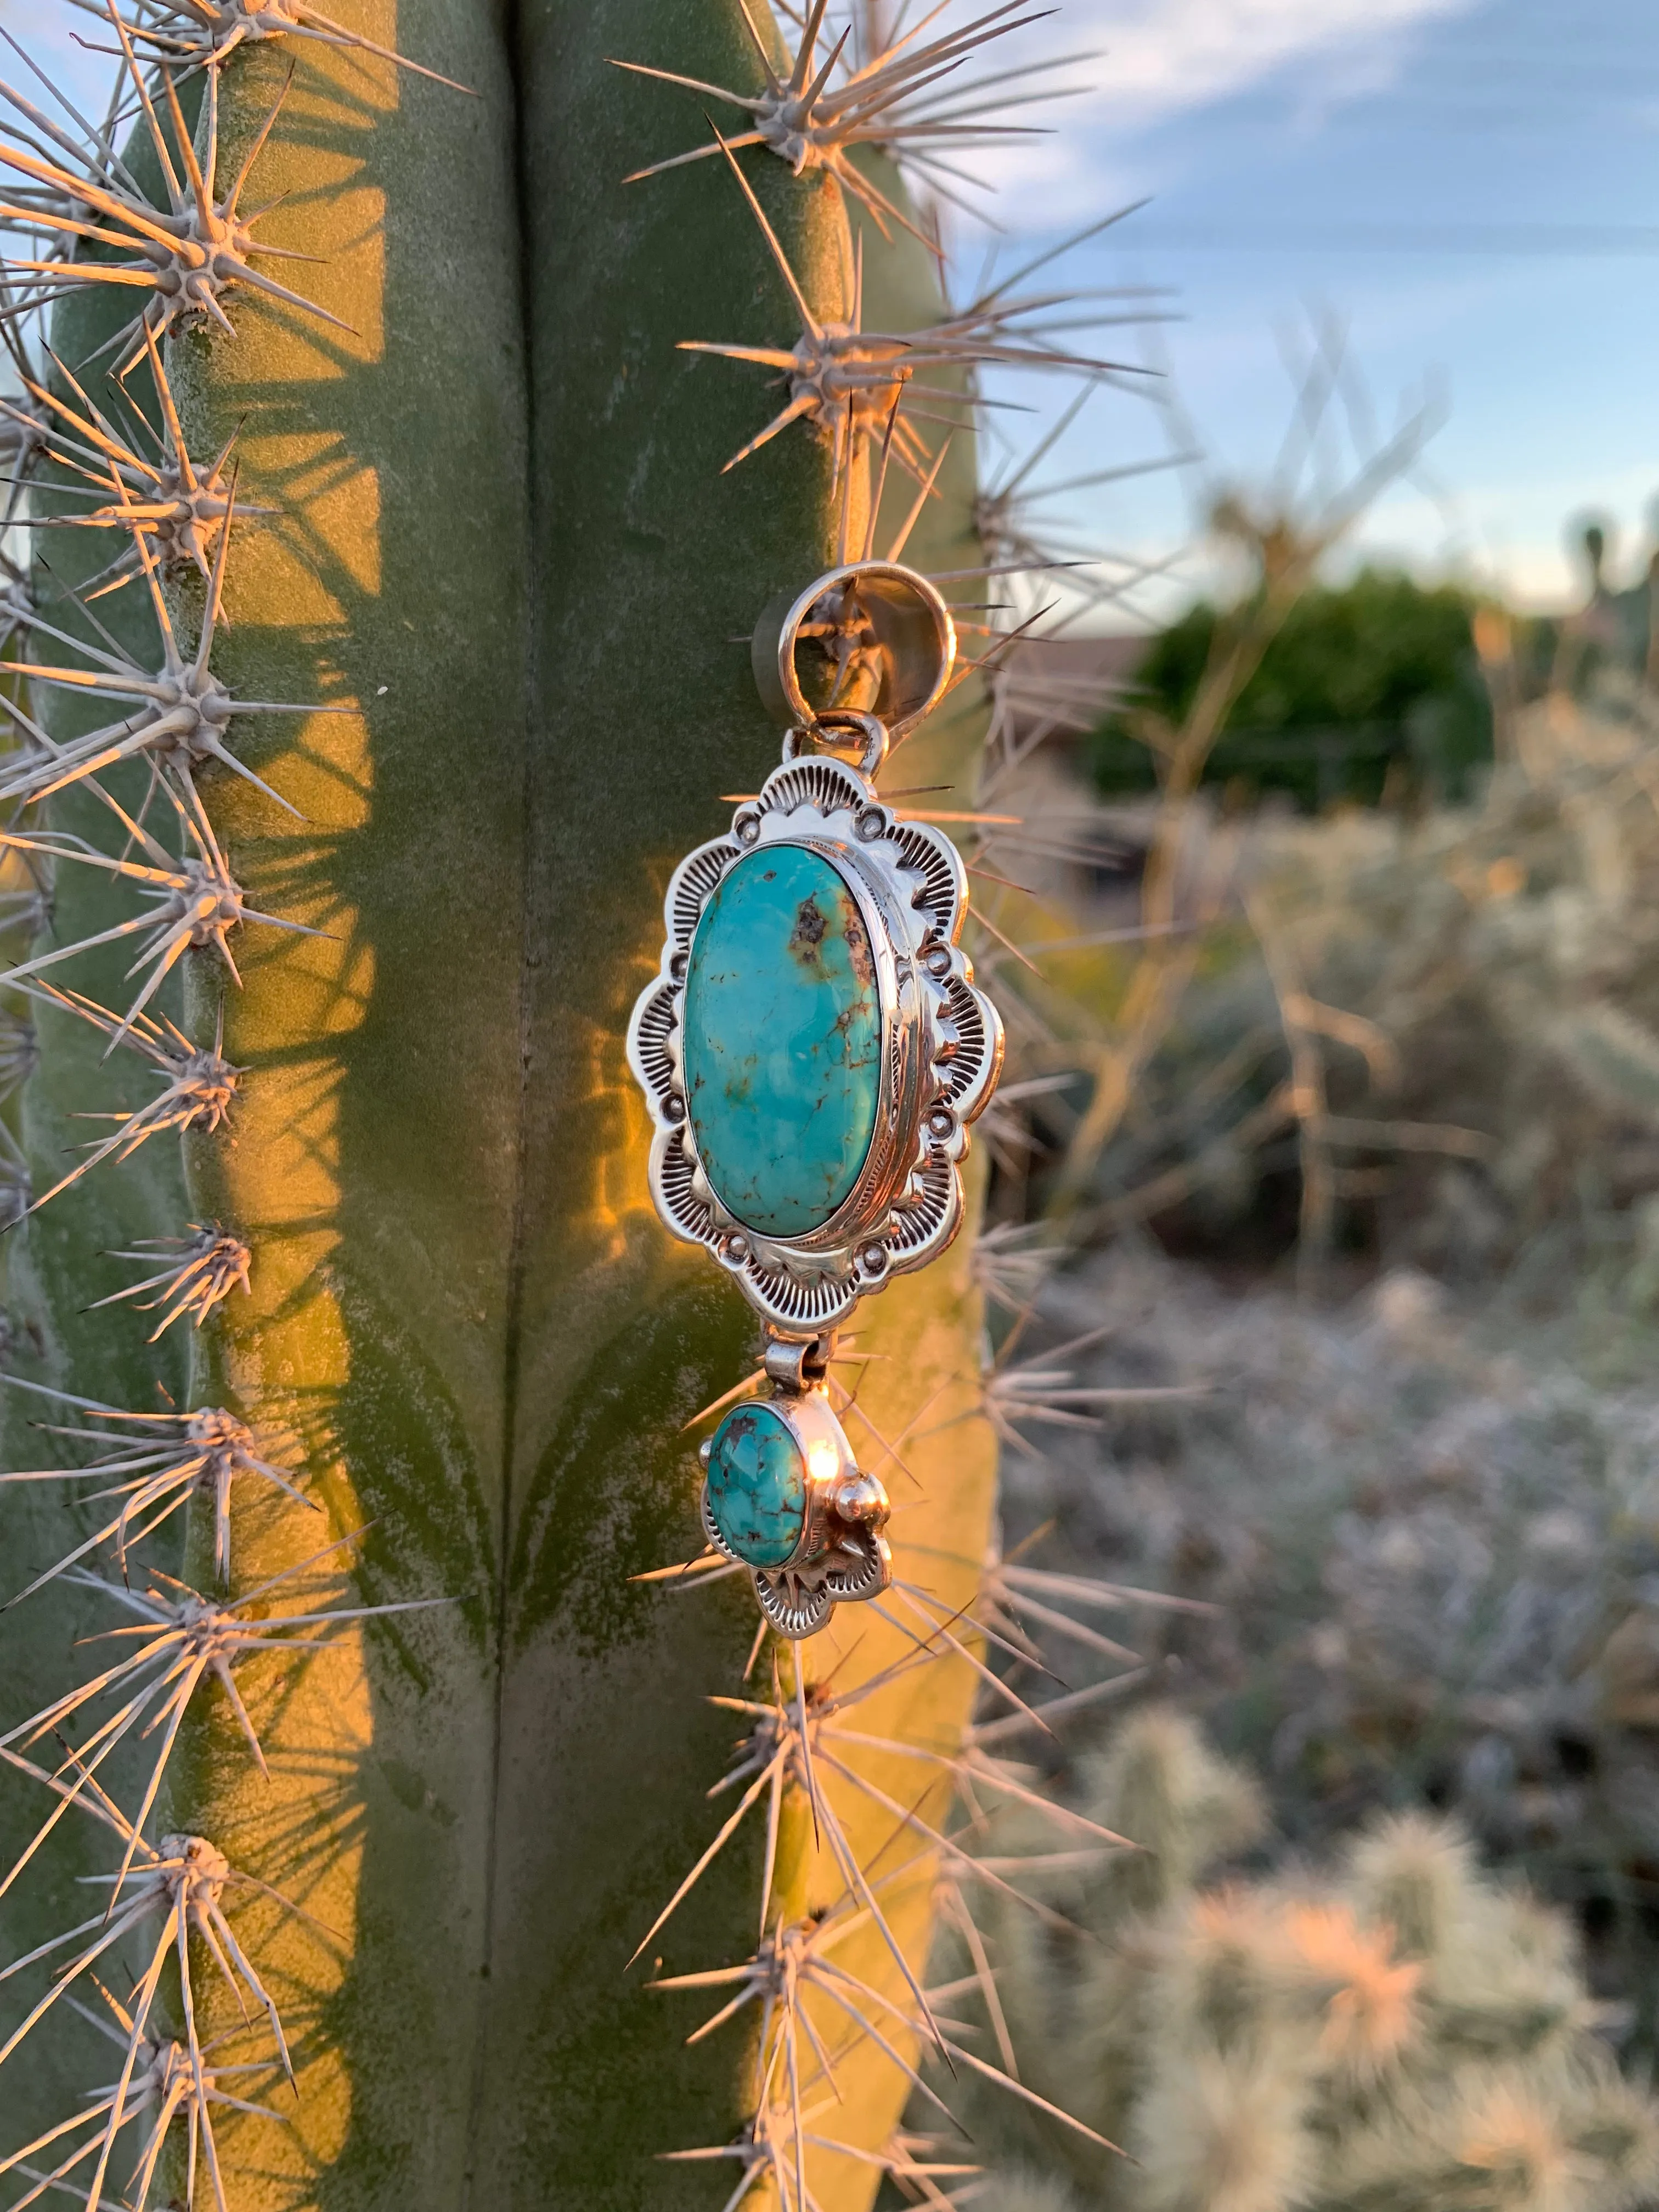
(1400, 2036)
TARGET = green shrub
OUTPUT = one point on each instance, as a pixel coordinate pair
(1368, 686)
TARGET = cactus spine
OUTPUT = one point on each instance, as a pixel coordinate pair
(406, 1755)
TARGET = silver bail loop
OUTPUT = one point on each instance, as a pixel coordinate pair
(869, 638)
(797, 1364)
(833, 733)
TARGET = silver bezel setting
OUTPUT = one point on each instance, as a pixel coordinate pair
(942, 1050)
(837, 1561)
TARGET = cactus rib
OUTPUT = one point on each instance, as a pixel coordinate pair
(322, 1327)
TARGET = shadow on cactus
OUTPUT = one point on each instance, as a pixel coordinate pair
(369, 1687)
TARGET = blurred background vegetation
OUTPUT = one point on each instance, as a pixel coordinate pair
(1324, 1291)
(1370, 692)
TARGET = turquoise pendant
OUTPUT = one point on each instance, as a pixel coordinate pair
(756, 1487)
(783, 1496)
(813, 1050)
(782, 1046)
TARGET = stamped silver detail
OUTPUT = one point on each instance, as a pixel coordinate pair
(842, 1558)
(942, 1052)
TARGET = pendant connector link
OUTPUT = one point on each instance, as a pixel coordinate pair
(797, 1364)
(843, 731)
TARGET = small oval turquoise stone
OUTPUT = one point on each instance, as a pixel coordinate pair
(782, 1040)
(757, 1485)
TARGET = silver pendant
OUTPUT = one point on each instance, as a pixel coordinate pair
(783, 1496)
(813, 1049)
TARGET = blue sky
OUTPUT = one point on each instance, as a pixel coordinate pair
(1469, 183)
(1472, 187)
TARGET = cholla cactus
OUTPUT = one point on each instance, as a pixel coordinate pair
(417, 1686)
(1400, 2034)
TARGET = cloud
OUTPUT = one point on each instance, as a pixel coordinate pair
(1161, 56)
(1133, 65)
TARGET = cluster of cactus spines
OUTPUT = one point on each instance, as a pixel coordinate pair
(181, 711)
(157, 1465)
(1023, 535)
(86, 146)
(848, 382)
(164, 2087)
(1400, 2033)
(1041, 1390)
(205, 33)
(199, 1270)
(189, 247)
(198, 1090)
(193, 900)
(248, 1955)
(172, 507)
(905, 98)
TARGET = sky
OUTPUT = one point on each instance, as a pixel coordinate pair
(1467, 186)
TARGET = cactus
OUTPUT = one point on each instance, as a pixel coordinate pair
(1399, 2033)
(379, 663)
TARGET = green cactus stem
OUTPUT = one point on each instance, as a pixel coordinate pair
(384, 1467)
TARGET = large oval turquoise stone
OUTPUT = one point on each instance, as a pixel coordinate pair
(757, 1485)
(782, 1040)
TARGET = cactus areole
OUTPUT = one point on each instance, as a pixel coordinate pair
(386, 1711)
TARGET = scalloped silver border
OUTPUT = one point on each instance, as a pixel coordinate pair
(943, 1052)
(798, 1597)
